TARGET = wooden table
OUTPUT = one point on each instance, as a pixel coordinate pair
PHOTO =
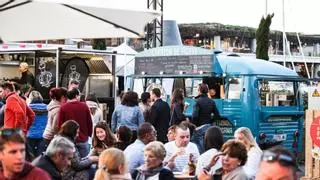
(179, 175)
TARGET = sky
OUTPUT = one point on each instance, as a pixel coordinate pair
(300, 15)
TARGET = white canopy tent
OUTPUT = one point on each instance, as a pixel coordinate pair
(125, 59)
(23, 20)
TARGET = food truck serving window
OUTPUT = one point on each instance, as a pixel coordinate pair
(147, 84)
(234, 88)
(276, 93)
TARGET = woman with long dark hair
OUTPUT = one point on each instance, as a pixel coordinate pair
(213, 141)
(128, 113)
(177, 107)
(103, 138)
(79, 168)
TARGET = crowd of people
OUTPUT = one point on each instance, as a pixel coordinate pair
(145, 140)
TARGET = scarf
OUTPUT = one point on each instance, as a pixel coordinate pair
(144, 172)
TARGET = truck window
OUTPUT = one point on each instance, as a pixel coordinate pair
(234, 88)
(276, 93)
(192, 86)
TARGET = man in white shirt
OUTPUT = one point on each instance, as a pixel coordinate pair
(135, 151)
(179, 150)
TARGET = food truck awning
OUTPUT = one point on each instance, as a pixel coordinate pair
(24, 20)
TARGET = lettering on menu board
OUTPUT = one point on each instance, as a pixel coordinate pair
(173, 64)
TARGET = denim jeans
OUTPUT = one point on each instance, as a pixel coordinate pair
(84, 149)
(198, 137)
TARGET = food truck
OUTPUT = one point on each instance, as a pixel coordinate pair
(54, 66)
(261, 95)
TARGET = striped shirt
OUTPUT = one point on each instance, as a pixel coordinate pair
(181, 161)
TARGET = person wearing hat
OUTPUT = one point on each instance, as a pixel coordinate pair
(27, 77)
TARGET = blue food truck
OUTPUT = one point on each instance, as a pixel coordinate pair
(261, 95)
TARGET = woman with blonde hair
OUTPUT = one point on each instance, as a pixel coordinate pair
(244, 135)
(112, 166)
(153, 167)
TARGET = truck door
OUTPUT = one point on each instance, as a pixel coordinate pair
(231, 109)
(281, 113)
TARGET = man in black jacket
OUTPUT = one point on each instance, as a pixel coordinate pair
(27, 78)
(57, 157)
(204, 110)
(160, 115)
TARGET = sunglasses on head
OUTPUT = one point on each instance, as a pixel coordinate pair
(283, 159)
(9, 131)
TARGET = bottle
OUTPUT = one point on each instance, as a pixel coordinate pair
(191, 166)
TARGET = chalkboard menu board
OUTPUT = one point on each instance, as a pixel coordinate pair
(77, 69)
(173, 64)
(45, 71)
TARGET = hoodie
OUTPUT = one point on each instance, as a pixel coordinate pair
(51, 128)
(28, 172)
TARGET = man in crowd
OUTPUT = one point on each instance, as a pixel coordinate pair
(135, 152)
(277, 163)
(78, 111)
(17, 114)
(160, 115)
(27, 78)
(12, 157)
(57, 157)
(204, 107)
(179, 150)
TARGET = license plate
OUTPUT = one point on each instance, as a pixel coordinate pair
(280, 137)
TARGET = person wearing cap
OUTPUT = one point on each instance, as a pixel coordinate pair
(27, 77)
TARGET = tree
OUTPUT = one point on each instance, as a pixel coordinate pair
(99, 44)
(262, 36)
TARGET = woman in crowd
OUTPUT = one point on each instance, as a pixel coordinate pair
(244, 135)
(154, 154)
(124, 136)
(128, 113)
(58, 98)
(35, 132)
(145, 105)
(112, 166)
(171, 133)
(93, 104)
(213, 141)
(233, 157)
(79, 168)
(103, 138)
(177, 107)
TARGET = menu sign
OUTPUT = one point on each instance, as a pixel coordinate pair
(174, 64)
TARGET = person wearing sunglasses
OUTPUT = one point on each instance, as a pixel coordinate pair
(277, 163)
(12, 158)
